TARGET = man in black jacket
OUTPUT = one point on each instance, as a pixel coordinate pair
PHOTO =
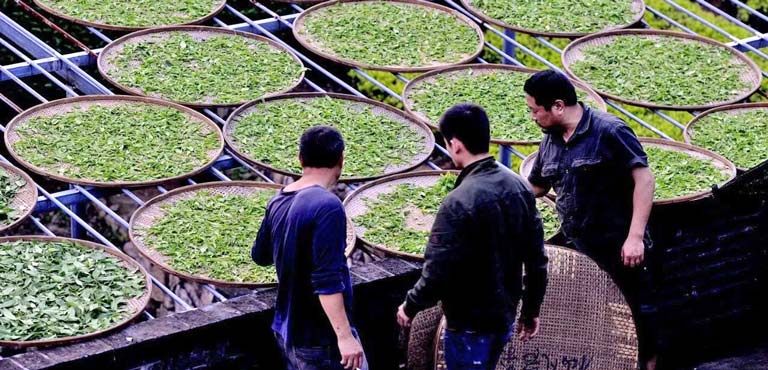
(486, 230)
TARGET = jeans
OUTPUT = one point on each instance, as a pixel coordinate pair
(314, 357)
(466, 350)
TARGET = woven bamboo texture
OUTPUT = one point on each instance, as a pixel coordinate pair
(26, 198)
(420, 345)
(637, 7)
(151, 212)
(720, 162)
(64, 106)
(305, 39)
(585, 322)
(479, 69)
(689, 134)
(113, 27)
(574, 52)
(355, 103)
(137, 304)
(200, 33)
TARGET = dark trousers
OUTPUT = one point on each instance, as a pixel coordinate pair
(465, 350)
(635, 284)
(313, 357)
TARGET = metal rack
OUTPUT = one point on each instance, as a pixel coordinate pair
(66, 72)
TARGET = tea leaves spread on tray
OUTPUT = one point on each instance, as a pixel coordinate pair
(10, 185)
(134, 13)
(742, 136)
(679, 174)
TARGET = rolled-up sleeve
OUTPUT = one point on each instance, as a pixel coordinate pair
(328, 244)
(535, 176)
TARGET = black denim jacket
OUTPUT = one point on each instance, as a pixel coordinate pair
(485, 231)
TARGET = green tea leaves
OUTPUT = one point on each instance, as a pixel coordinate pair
(10, 185)
(219, 69)
(741, 136)
(59, 289)
(108, 143)
(375, 142)
(211, 234)
(559, 16)
(391, 34)
(663, 70)
(134, 13)
(679, 174)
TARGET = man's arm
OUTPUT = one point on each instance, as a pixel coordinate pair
(439, 257)
(537, 183)
(535, 282)
(262, 250)
(632, 253)
(328, 263)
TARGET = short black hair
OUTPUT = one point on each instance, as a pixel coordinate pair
(468, 123)
(321, 147)
(547, 86)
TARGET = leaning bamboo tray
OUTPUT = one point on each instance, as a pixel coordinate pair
(575, 52)
(354, 102)
(106, 67)
(717, 160)
(26, 198)
(151, 212)
(302, 36)
(116, 27)
(429, 77)
(585, 322)
(690, 128)
(64, 106)
(137, 305)
(637, 7)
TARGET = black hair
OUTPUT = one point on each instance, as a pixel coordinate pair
(321, 147)
(547, 86)
(468, 123)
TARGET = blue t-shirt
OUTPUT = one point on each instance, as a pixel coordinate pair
(304, 235)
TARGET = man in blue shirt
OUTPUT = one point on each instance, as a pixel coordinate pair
(304, 234)
(604, 189)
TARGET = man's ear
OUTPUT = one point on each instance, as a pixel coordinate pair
(341, 161)
(458, 146)
(301, 161)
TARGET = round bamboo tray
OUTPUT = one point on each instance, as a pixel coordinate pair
(26, 198)
(355, 205)
(146, 216)
(717, 160)
(67, 105)
(106, 67)
(637, 7)
(575, 52)
(429, 77)
(585, 321)
(361, 103)
(301, 35)
(137, 304)
(690, 129)
(112, 27)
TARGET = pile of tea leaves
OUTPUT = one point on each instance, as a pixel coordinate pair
(127, 142)
(134, 13)
(210, 235)
(374, 142)
(60, 289)
(10, 185)
(680, 174)
(742, 136)
(663, 70)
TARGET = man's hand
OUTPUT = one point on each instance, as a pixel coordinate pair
(528, 329)
(632, 253)
(402, 318)
(351, 352)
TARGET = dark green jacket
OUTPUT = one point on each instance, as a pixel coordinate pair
(486, 230)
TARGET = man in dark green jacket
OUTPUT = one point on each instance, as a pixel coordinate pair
(486, 230)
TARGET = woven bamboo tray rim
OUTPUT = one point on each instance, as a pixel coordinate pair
(137, 304)
(637, 8)
(616, 342)
(150, 212)
(219, 7)
(690, 128)
(354, 203)
(482, 69)
(298, 28)
(721, 163)
(197, 32)
(375, 106)
(69, 104)
(26, 197)
(573, 53)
